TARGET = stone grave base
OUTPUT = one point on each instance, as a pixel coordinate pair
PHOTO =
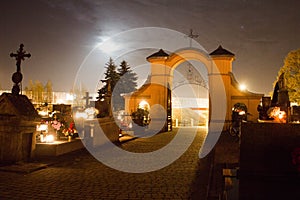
(58, 147)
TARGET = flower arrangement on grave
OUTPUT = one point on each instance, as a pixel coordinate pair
(64, 125)
(70, 130)
(141, 117)
(277, 115)
(57, 126)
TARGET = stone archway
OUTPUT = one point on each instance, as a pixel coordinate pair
(223, 90)
(157, 90)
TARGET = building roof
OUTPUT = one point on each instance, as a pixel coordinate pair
(17, 105)
(220, 51)
(159, 54)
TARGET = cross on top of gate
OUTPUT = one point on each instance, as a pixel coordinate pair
(192, 36)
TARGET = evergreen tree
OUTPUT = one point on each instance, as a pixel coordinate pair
(291, 70)
(127, 83)
(122, 80)
(112, 76)
(128, 78)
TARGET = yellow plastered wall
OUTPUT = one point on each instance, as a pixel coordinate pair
(162, 68)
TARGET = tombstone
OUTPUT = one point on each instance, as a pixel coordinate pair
(295, 114)
(17, 128)
(263, 109)
(103, 108)
(280, 95)
(279, 99)
(62, 108)
(283, 96)
(18, 119)
(104, 105)
(87, 98)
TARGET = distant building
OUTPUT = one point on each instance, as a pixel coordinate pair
(56, 97)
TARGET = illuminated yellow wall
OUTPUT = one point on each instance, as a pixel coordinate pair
(217, 66)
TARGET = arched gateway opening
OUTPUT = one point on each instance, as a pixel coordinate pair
(190, 95)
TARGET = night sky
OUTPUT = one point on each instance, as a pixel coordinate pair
(60, 34)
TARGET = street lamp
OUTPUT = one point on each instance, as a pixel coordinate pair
(242, 87)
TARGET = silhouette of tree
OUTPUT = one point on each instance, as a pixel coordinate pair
(122, 80)
(127, 83)
(129, 78)
(38, 92)
(111, 76)
(291, 70)
(48, 98)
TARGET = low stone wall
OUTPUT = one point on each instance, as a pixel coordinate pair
(57, 148)
(95, 128)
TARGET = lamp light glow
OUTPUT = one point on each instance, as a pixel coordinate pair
(242, 87)
(49, 138)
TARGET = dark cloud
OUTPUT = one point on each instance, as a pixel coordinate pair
(60, 33)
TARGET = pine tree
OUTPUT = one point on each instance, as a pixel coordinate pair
(122, 80)
(291, 70)
(128, 78)
(112, 76)
(127, 83)
(111, 73)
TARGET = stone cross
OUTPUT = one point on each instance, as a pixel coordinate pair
(17, 76)
(87, 98)
(20, 55)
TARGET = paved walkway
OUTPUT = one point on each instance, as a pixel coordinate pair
(79, 175)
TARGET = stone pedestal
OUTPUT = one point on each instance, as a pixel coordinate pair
(96, 132)
(18, 120)
(17, 139)
(110, 129)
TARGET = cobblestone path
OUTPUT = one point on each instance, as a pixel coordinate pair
(78, 175)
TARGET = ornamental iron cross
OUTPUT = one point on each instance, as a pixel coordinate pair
(20, 55)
